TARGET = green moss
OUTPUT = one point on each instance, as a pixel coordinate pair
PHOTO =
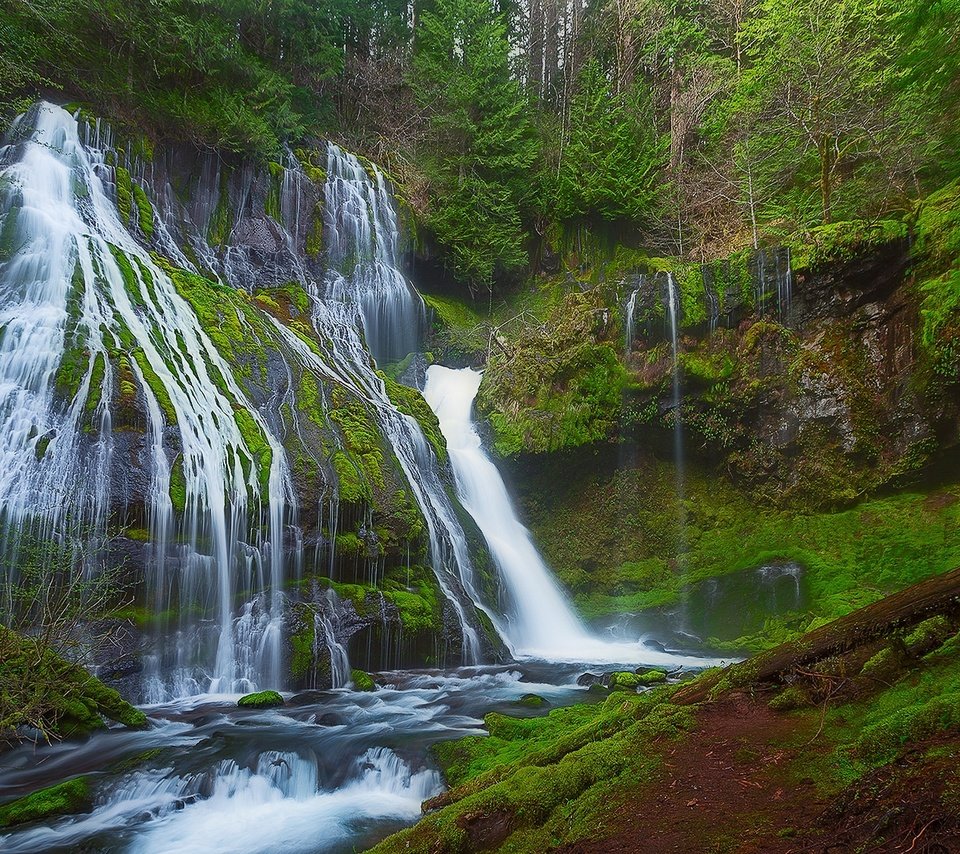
(144, 211)
(302, 650)
(124, 194)
(618, 562)
(260, 700)
(359, 466)
(271, 204)
(58, 696)
(67, 798)
(96, 383)
(789, 699)
(156, 386)
(624, 681)
(178, 486)
(314, 243)
(417, 597)
(554, 385)
(937, 251)
(550, 778)
(410, 402)
(362, 681)
(308, 158)
(256, 441)
(840, 242)
(708, 368)
(531, 701)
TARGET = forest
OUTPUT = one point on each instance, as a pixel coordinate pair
(688, 128)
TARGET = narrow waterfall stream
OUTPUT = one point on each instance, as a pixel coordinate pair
(332, 770)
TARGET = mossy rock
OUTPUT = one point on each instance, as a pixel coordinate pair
(652, 677)
(531, 701)
(362, 681)
(63, 799)
(44, 690)
(624, 680)
(260, 700)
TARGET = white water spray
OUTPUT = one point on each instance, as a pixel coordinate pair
(78, 293)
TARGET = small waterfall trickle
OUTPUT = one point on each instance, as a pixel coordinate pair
(629, 320)
(325, 633)
(673, 318)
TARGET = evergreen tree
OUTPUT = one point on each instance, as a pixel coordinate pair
(482, 144)
(610, 166)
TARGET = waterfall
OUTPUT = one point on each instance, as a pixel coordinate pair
(673, 313)
(324, 632)
(363, 239)
(539, 621)
(785, 288)
(629, 322)
(77, 292)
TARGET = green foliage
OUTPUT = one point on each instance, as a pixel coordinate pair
(66, 798)
(568, 384)
(937, 248)
(610, 166)
(483, 143)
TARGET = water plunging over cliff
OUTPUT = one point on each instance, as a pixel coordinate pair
(363, 239)
(539, 621)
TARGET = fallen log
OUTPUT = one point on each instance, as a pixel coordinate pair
(939, 594)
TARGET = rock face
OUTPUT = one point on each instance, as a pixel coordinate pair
(830, 403)
(810, 384)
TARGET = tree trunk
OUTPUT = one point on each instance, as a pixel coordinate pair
(535, 49)
(937, 595)
(551, 44)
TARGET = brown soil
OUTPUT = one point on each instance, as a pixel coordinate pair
(726, 789)
(722, 789)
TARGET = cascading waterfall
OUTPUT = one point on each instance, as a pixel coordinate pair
(363, 239)
(75, 290)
